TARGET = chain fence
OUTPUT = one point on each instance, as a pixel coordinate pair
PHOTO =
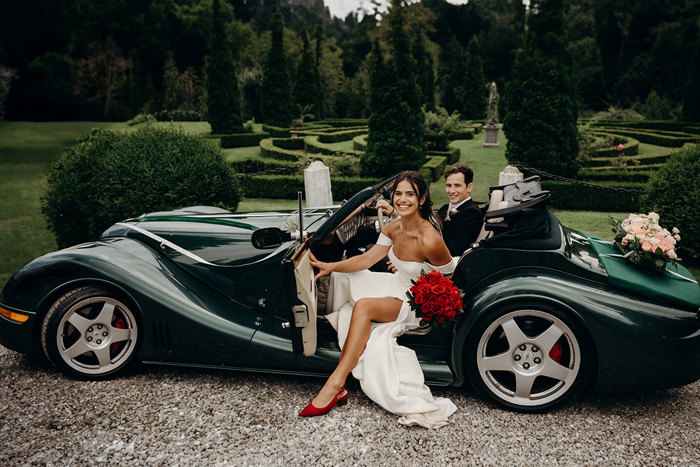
(548, 175)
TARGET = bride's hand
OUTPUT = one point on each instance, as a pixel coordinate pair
(323, 268)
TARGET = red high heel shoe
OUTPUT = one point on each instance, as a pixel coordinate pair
(313, 411)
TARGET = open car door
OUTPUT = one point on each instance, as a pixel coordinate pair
(305, 313)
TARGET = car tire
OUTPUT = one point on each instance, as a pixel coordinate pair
(90, 333)
(528, 358)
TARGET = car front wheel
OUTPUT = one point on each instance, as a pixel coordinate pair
(528, 359)
(90, 333)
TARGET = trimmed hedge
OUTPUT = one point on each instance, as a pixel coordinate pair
(452, 154)
(289, 143)
(631, 145)
(269, 149)
(313, 144)
(433, 169)
(566, 195)
(692, 129)
(666, 139)
(287, 186)
(240, 140)
(612, 174)
(344, 122)
(359, 143)
(643, 160)
(661, 125)
(258, 164)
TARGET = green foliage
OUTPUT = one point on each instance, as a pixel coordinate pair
(108, 176)
(659, 107)
(656, 137)
(569, 196)
(287, 186)
(240, 140)
(305, 92)
(441, 127)
(691, 100)
(276, 92)
(474, 91)
(223, 105)
(674, 194)
(615, 174)
(424, 67)
(542, 113)
(452, 154)
(52, 78)
(273, 148)
(433, 168)
(642, 160)
(450, 74)
(396, 122)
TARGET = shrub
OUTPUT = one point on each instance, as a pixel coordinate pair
(241, 140)
(675, 195)
(440, 128)
(269, 148)
(109, 176)
(452, 154)
(287, 186)
(433, 169)
(141, 118)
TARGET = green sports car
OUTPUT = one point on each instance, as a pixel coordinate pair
(548, 310)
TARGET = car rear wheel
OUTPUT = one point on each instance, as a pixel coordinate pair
(90, 333)
(528, 359)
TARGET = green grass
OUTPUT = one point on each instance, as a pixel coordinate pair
(239, 154)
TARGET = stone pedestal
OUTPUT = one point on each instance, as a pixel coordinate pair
(317, 184)
(509, 175)
(491, 137)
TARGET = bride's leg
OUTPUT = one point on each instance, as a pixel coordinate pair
(366, 310)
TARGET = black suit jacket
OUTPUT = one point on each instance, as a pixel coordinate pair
(463, 227)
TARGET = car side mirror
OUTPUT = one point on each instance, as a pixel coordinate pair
(270, 237)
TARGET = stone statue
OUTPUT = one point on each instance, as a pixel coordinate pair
(492, 126)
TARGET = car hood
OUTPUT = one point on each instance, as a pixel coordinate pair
(212, 236)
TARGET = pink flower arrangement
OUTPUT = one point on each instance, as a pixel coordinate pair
(646, 241)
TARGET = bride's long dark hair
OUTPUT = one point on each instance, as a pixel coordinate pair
(419, 184)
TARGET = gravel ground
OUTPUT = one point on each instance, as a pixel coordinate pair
(164, 416)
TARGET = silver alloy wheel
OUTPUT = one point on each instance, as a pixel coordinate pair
(97, 335)
(528, 358)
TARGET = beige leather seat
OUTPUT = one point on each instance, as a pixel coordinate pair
(496, 202)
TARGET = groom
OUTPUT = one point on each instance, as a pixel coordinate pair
(461, 217)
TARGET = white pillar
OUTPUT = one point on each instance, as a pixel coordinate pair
(317, 184)
(509, 175)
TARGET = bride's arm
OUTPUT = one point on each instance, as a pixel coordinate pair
(436, 252)
(354, 264)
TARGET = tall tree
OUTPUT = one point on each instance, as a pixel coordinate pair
(304, 87)
(276, 93)
(474, 92)
(542, 109)
(223, 103)
(691, 102)
(318, 91)
(424, 68)
(396, 118)
(451, 75)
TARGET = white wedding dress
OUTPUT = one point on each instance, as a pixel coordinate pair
(389, 374)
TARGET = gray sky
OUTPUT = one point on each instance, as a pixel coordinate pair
(341, 8)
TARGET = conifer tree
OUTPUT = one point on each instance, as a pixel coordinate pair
(542, 108)
(396, 123)
(424, 69)
(691, 101)
(223, 103)
(474, 92)
(304, 88)
(451, 73)
(318, 88)
(276, 90)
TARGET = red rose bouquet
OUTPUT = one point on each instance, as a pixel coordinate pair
(434, 298)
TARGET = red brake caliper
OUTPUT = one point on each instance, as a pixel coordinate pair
(119, 323)
(556, 352)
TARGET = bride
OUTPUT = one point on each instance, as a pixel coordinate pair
(370, 310)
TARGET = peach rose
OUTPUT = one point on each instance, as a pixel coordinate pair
(672, 254)
(654, 216)
(646, 246)
(675, 230)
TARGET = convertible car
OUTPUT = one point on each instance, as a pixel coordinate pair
(549, 310)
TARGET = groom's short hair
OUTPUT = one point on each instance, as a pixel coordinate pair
(462, 169)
